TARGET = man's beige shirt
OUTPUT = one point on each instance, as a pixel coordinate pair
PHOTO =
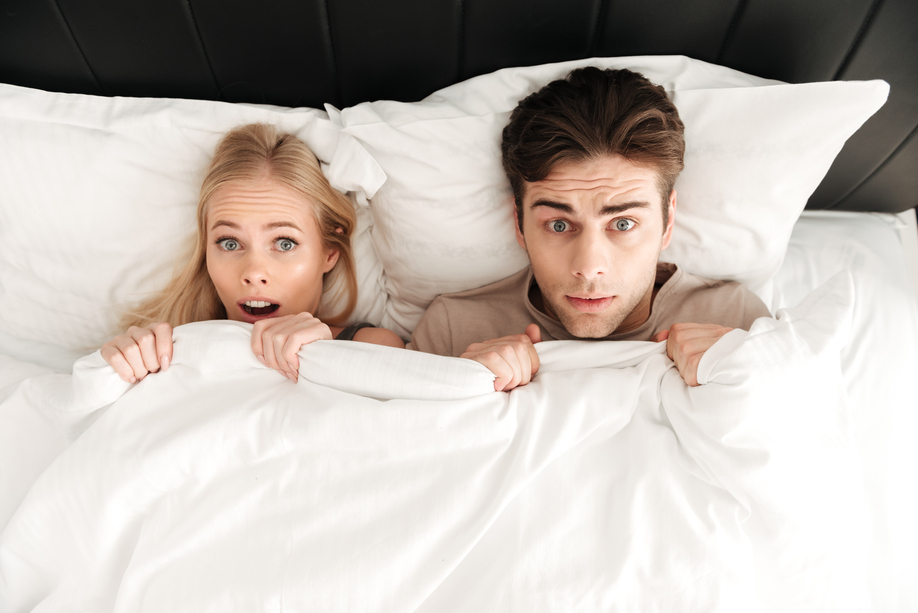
(455, 321)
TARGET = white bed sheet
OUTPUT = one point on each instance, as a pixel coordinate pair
(880, 361)
(881, 365)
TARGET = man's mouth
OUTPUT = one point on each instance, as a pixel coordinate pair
(590, 305)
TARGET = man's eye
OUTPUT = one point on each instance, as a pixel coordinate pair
(623, 225)
(558, 225)
(228, 244)
(285, 244)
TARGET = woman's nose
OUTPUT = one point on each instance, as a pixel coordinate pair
(255, 271)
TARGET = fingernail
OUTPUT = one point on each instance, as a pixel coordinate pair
(165, 362)
(133, 380)
(261, 359)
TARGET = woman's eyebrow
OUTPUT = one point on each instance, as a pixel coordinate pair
(281, 224)
(268, 226)
(221, 222)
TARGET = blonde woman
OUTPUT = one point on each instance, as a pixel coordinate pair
(270, 230)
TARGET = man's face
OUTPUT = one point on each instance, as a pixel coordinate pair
(594, 231)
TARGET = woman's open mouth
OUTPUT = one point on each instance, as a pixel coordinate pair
(259, 307)
(253, 310)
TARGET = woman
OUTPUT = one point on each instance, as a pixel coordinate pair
(271, 229)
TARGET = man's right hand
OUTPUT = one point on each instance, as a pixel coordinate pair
(512, 359)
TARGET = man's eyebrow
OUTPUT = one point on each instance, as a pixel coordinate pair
(609, 209)
(615, 209)
(558, 206)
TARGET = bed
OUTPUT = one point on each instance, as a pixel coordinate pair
(388, 480)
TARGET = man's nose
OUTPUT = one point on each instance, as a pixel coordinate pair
(592, 255)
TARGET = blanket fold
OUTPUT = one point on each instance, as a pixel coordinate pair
(389, 480)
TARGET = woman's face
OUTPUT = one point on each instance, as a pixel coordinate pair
(264, 251)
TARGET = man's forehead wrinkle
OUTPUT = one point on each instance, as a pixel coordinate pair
(599, 183)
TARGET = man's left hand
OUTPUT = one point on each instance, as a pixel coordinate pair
(686, 343)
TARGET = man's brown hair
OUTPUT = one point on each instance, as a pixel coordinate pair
(594, 113)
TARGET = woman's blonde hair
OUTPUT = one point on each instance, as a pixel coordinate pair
(246, 155)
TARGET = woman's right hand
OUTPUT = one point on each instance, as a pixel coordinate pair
(140, 351)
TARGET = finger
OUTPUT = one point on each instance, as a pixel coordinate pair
(689, 371)
(533, 355)
(268, 358)
(693, 346)
(162, 333)
(263, 345)
(687, 340)
(693, 326)
(523, 353)
(257, 347)
(130, 351)
(534, 333)
(511, 355)
(147, 342)
(258, 330)
(503, 372)
(689, 355)
(282, 365)
(304, 333)
(258, 333)
(662, 335)
(113, 356)
(689, 333)
(277, 338)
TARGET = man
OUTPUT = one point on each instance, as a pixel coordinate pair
(592, 160)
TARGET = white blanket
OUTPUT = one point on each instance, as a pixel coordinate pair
(386, 480)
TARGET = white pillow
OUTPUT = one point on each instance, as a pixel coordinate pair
(755, 151)
(98, 198)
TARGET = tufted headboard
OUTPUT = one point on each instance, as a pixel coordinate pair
(309, 52)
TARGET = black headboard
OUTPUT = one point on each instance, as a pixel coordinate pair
(308, 52)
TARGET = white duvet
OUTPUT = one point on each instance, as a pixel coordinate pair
(386, 480)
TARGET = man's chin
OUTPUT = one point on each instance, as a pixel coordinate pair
(588, 327)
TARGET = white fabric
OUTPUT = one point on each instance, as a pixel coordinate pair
(755, 151)
(606, 483)
(879, 363)
(98, 199)
(98, 194)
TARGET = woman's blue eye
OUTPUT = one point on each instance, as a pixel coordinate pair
(623, 225)
(229, 244)
(558, 225)
(285, 244)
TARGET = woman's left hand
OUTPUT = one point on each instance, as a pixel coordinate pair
(276, 341)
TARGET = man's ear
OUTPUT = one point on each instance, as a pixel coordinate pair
(668, 231)
(516, 226)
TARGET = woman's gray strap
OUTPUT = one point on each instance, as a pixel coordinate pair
(348, 333)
